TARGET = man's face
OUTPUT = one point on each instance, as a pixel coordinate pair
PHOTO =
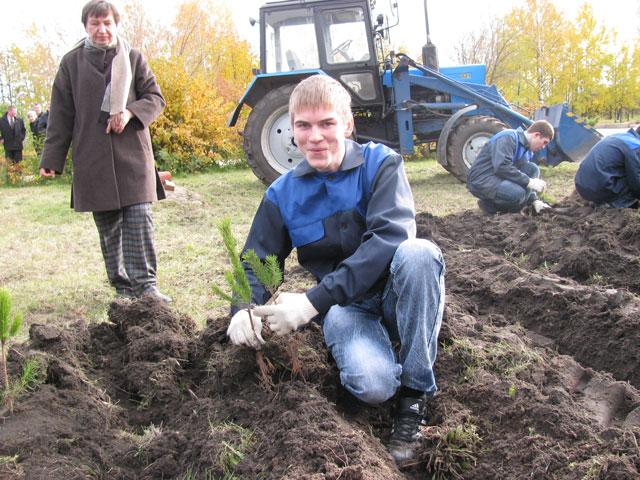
(102, 30)
(319, 134)
(37, 108)
(537, 142)
(12, 112)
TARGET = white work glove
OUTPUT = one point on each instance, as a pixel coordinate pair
(537, 185)
(240, 331)
(539, 205)
(291, 311)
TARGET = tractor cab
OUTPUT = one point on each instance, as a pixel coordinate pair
(333, 36)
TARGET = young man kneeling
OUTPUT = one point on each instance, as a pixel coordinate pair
(349, 212)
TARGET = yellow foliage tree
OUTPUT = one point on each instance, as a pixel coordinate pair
(623, 94)
(207, 71)
(540, 48)
(581, 71)
(191, 135)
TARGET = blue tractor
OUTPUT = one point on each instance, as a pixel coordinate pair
(395, 100)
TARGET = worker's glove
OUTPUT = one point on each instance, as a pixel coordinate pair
(537, 185)
(241, 332)
(539, 205)
(292, 310)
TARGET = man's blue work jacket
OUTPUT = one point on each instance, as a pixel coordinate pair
(610, 168)
(346, 225)
(499, 160)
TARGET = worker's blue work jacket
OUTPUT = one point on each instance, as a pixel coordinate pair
(611, 168)
(346, 225)
(500, 159)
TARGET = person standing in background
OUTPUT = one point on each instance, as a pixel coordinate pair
(103, 100)
(12, 134)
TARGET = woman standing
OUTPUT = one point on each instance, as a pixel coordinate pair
(103, 100)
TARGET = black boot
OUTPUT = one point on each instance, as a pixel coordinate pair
(405, 437)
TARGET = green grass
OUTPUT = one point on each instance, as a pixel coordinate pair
(50, 257)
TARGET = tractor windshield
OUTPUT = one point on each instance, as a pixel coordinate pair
(290, 41)
(345, 35)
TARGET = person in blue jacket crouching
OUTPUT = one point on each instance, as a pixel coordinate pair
(504, 177)
(609, 175)
(349, 211)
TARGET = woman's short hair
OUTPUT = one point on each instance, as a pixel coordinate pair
(319, 91)
(99, 9)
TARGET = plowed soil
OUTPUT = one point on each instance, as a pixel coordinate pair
(538, 371)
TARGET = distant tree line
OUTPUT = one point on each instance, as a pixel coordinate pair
(536, 57)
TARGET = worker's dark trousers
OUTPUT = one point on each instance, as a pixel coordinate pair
(511, 197)
(126, 239)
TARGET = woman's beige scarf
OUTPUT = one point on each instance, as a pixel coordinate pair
(117, 91)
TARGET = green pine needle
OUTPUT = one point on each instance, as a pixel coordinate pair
(268, 273)
(8, 327)
(236, 279)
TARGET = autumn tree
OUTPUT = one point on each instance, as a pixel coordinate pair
(580, 74)
(148, 36)
(203, 77)
(491, 45)
(205, 37)
(541, 44)
(26, 75)
(623, 93)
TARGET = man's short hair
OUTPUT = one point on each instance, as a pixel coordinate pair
(99, 9)
(320, 91)
(543, 127)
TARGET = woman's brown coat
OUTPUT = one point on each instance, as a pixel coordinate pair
(110, 171)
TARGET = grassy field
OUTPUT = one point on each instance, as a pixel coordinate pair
(50, 256)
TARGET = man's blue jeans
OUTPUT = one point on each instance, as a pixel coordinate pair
(511, 197)
(409, 310)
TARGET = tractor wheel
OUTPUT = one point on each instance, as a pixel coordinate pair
(268, 140)
(466, 140)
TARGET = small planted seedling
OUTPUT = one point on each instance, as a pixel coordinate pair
(8, 328)
(268, 273)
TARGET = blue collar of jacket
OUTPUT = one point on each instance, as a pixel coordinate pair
(352, 158)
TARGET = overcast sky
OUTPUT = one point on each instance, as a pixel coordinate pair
(448, 20)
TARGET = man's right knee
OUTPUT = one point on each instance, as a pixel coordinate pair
(368, 376)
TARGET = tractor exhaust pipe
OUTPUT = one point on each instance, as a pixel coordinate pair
(429, 51)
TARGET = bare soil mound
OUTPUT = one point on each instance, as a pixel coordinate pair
(538, 372)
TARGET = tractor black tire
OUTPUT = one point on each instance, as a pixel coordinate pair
(268, 140)
(466, 140)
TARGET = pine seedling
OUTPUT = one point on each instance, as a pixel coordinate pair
(268, 273)
(236, 279)
(8, 328)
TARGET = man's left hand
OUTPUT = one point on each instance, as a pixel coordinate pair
(118, 121)
(291, 311)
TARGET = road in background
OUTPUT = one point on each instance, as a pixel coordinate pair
(608, 131)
